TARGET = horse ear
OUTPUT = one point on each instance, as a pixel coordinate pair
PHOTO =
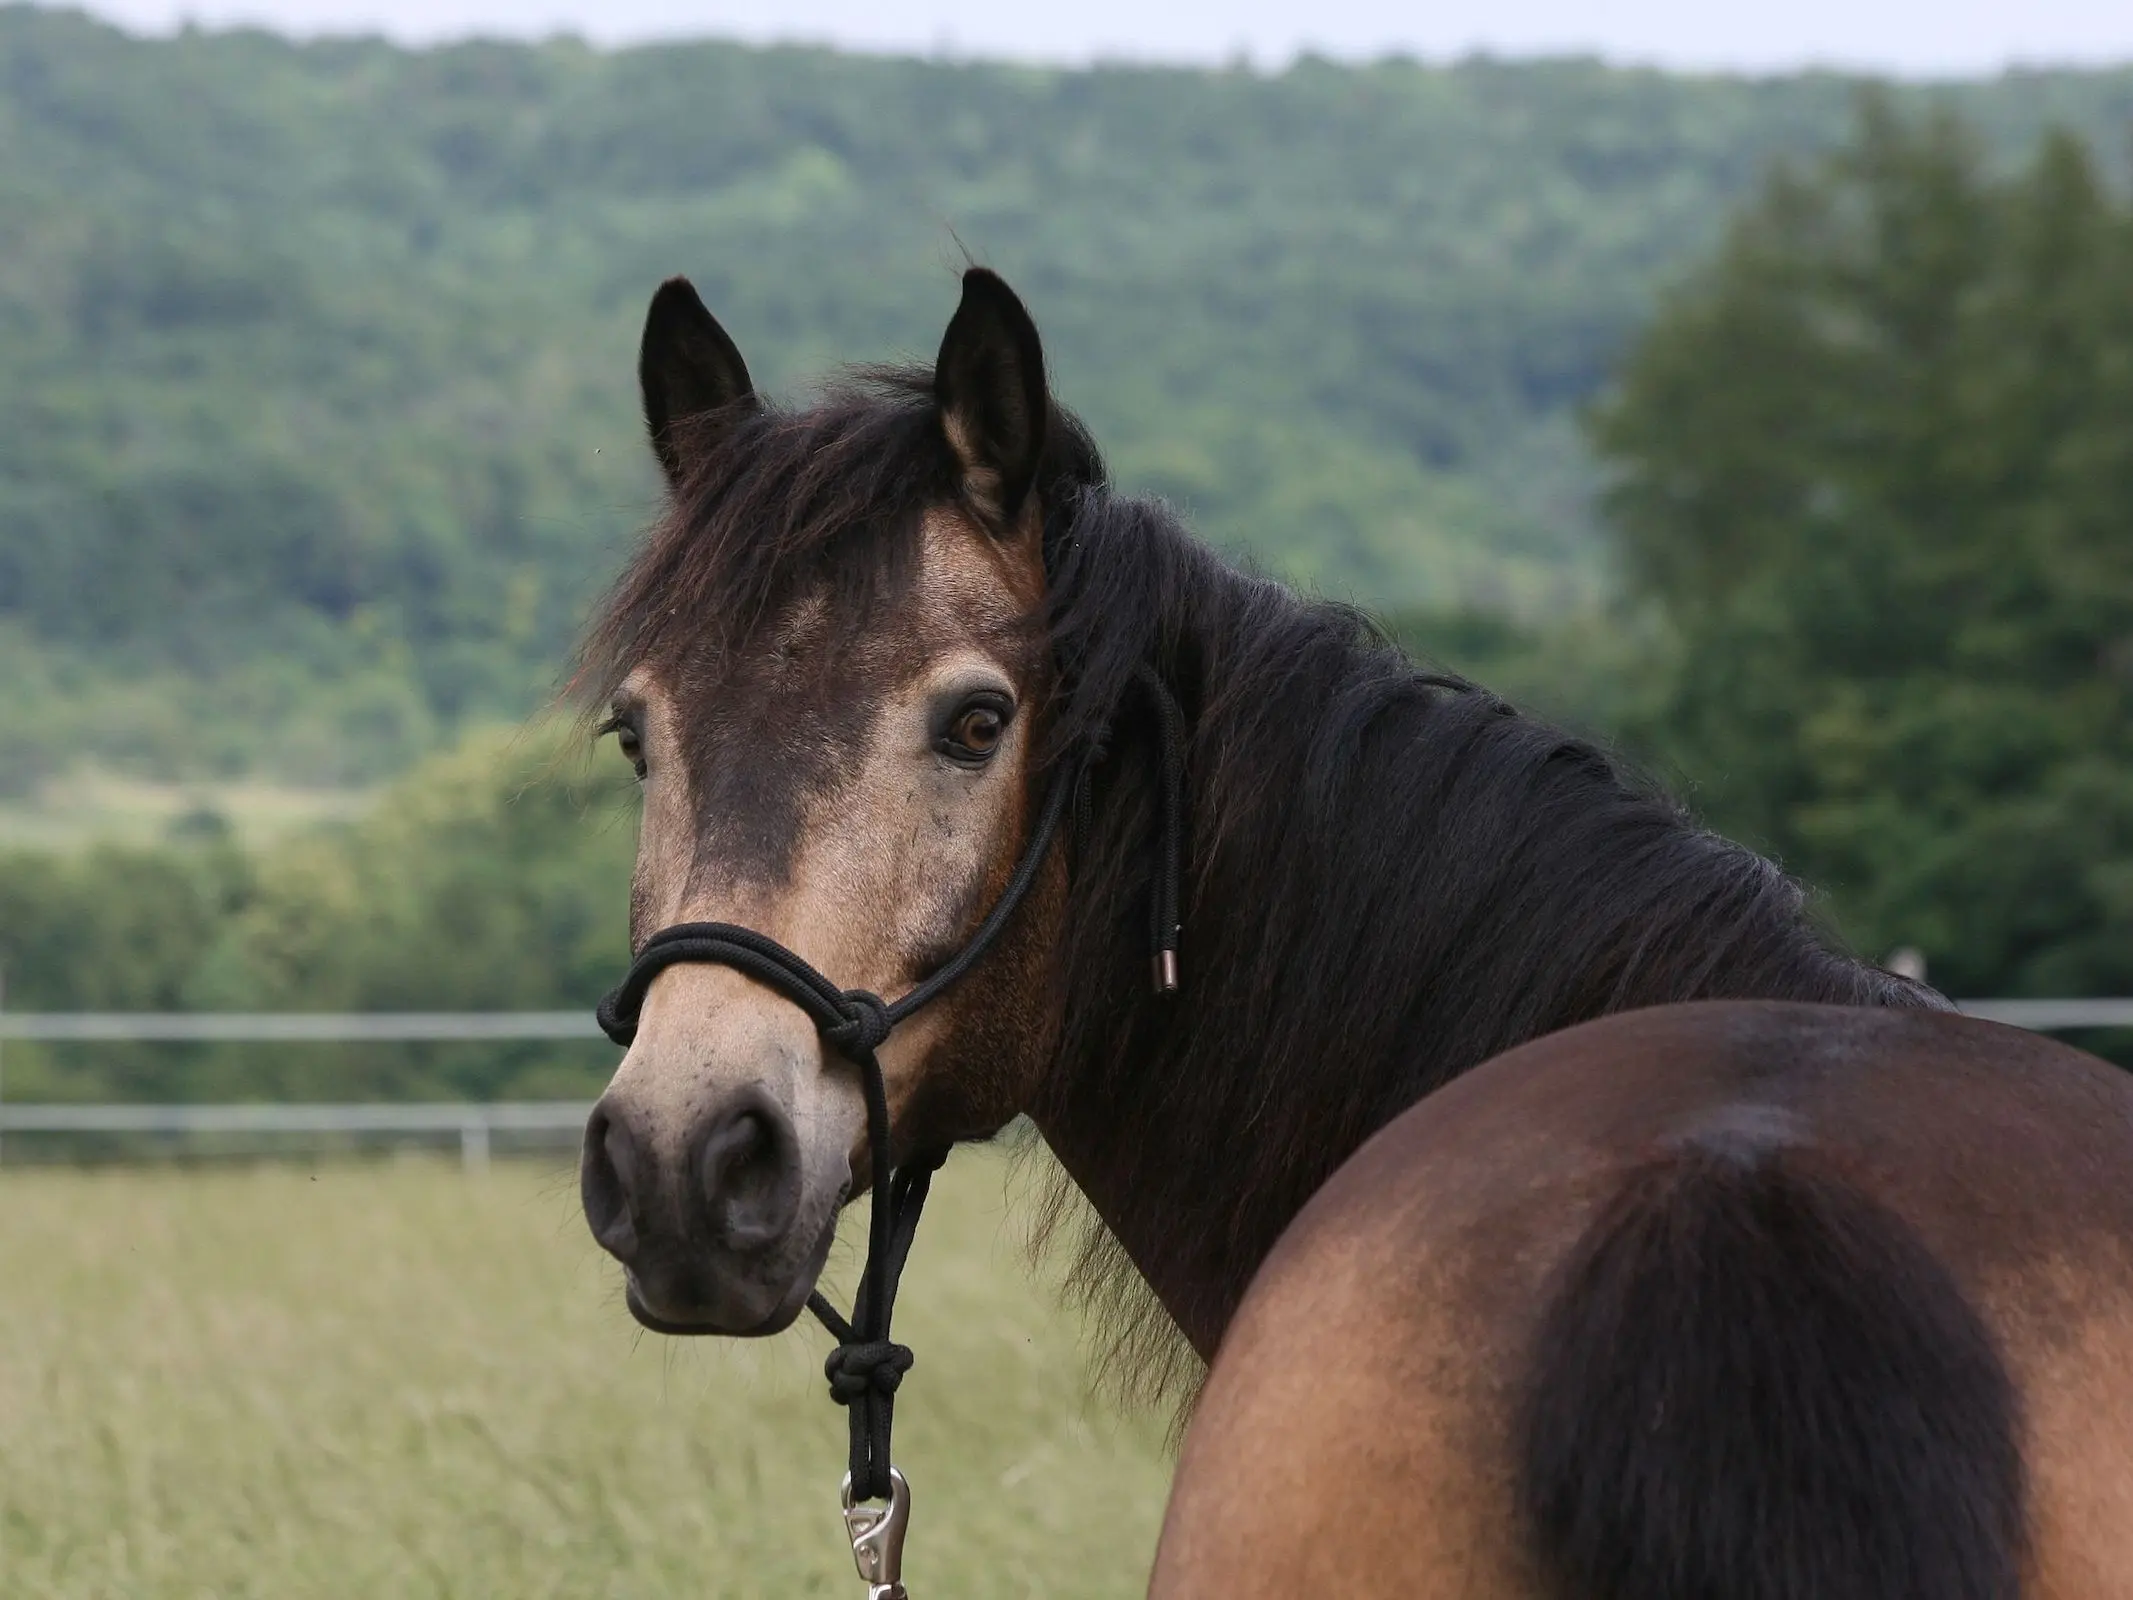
(687, 368)
(989, 384)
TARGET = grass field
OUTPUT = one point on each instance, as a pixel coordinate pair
(395, 1380)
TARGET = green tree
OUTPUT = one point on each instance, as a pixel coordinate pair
(492, 877)
(1875, 465)
(317, 428)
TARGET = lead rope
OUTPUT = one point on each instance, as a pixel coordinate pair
(867, 1366)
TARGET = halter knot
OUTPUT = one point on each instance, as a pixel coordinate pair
(858, 1370)
(865, 1025)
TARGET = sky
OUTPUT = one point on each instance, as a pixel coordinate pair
(1910, 38)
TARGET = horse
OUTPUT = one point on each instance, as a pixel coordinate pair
(1527, 1198)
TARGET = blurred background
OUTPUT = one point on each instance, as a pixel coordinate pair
(1753, 394)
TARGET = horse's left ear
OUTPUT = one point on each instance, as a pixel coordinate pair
(989, 384)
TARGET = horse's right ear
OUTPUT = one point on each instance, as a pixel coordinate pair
(688, 369)
(988, 382)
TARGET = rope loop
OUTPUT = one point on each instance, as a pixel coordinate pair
(856, 1371)
(865, 1026)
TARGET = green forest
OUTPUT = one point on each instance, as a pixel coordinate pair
(317, 423)
(1779, 432)
(1874, 466)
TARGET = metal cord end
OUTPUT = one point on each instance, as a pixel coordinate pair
(877, 1535)
(1166, 972)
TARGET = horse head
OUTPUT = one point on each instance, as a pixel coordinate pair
(830, 669)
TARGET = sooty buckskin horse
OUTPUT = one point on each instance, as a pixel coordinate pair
(1560, 1215)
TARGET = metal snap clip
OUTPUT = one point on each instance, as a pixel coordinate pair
(877, 1535)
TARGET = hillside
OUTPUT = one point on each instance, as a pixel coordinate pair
(316, 427)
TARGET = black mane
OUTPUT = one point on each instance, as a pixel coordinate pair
(1393, 877)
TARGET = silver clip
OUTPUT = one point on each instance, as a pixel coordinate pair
(877, 1534)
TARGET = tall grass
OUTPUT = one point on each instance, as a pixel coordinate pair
(397, 1380)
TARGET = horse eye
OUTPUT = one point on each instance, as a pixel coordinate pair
(628, 743)
(975, 734)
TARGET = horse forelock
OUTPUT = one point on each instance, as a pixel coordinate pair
(824, 502)
(829, 501)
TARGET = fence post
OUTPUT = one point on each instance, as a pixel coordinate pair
(3, 1047)
(474, 1144)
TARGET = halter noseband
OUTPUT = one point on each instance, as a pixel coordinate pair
(866, 1366)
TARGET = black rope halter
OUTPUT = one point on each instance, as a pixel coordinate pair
(867, 1366)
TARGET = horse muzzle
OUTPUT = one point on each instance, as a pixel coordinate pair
(714, 1221)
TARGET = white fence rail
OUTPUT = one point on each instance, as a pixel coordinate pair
(475, 1123)
(292, 1027)
(447, 1027)
(2049, 1016)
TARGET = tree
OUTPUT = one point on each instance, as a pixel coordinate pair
(491, 877)
(317, 423)
(1874, 463)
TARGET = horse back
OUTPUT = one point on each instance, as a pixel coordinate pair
(1755, 1299)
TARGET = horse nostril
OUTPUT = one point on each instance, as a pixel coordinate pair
(608, 1175)
(750, 1167)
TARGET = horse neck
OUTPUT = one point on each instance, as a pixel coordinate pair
(1392, 878)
